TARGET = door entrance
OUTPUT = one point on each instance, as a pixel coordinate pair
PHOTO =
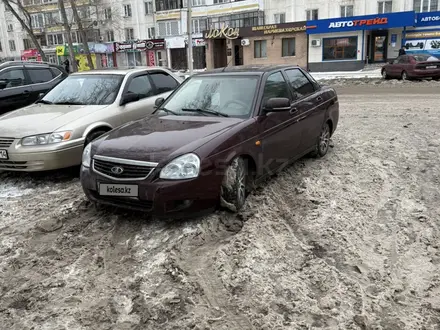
(219, 49)
(378, 47)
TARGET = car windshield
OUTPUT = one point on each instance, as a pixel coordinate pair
(85, 90)
(227, 96)
(425, 58)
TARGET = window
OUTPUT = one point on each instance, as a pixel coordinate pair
(346, 11)
(1, 48)
(384, 7)
(37, 20)
(279, 18)
(260, 48)
(27, 43)
(163, 82)
(220, 1)
(55, 39)
(55, 72)
(237, 20)
(288, 47)
(167, 4)
(340, 48)
(198, 25)
(127, 10)
(299, 84)
(13, 78)
(40, 75)
(110, 35)
(423, 6)
(168, 28)
(198, 2)
(12, 45)
(275, 86)
(151, 33)
(141, 85)
(148, 7)
(129, 34)
(312, 14)
(108, 13)
(10, 27)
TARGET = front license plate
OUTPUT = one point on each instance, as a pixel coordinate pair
(432, 67)
(4, 154)
(121, 190)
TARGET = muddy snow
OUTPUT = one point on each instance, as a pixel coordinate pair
(350, 241)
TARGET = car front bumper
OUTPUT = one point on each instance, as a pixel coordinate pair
(42, 158)
(163, 198)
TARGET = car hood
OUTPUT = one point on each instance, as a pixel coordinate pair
(42, 118)
(161, 138)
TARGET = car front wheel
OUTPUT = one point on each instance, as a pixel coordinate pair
(234, 186)
(385, 74)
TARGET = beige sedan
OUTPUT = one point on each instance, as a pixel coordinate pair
(53, 132)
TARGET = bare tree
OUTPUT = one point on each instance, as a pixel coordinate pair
(68, 29)
(82, 34)
(24, 18)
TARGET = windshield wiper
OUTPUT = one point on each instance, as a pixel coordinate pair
(44, 102)
(167, 110)
(68, 103)
(208, 111)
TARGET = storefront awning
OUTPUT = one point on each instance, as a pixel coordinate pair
(359, 23)
(428, 19)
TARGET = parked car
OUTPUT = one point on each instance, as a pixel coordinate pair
(215, 137)
(21, 83)
(417, 66)
(52, 133)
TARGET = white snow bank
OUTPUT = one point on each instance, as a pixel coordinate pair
(346, 75)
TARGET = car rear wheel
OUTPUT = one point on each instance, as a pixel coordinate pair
(235, 185)
(323, 143)
(93, 136)
(404, 76)
(385, 74)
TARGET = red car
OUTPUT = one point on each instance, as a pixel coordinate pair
(416, 66)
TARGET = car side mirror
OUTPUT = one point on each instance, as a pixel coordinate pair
(159, 101)
(277, 104)
(41, 95)
(3, 84)
(129, 98)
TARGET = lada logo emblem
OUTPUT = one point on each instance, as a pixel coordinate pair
(117, 170)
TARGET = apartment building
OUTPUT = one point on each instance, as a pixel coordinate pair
(11, 42)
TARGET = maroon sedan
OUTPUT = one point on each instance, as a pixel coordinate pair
(417, 66)
(211, 141)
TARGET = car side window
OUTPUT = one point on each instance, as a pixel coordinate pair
(276, 86)
(141, 85)
(163, 82)
(56, 72)
(397, 60)
(13, 78)
(39, 76)
(299, 84)
(402, 59)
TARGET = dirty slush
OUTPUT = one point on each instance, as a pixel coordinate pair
(350, 241)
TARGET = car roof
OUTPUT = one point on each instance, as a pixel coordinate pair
(120, 70)
(252, 68)
(27, 64)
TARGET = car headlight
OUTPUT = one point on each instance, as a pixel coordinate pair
(44, 139)
(183, 167)
(87, 155)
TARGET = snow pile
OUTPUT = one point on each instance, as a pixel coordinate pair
(372, 74)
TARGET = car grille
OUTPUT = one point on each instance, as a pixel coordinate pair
(7, 164)
(131, 170)
(6, 142)
(127, 202)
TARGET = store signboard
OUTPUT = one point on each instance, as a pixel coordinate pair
(428, 19)
(141, 45)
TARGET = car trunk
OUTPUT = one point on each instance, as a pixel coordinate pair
(427, 65)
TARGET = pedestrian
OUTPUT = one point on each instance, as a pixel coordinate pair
(67, 65)
(402, 51)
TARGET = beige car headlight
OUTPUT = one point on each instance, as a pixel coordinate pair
(43, 139)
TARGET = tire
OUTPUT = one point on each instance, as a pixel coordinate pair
(235, 185)
(404, 76)
(385, 74)
(93, 136)
(323, 142)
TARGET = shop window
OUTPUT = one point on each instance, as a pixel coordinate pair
(39, 76)
(312, 14)
(275, 87)
(346, 11)
(423, 6)
(280, 18)
(260, 48)
(163, 82)
(12, 45)
(127, 11)
(288, 47)
(337, 49)
(384, 7)
(129, 34)
(299, 84)
(148, 7)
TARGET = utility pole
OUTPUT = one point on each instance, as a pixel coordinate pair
(190, 43)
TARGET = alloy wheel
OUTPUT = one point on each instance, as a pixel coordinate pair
(384, 74)
(324, 139)
(404, 76)
(241, 185)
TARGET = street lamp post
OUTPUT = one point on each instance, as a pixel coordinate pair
(190, 43)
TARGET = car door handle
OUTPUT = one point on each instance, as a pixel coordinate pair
(319, 99)
(26, 92)
(293, 110)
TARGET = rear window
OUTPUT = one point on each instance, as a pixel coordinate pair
(425, 58)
